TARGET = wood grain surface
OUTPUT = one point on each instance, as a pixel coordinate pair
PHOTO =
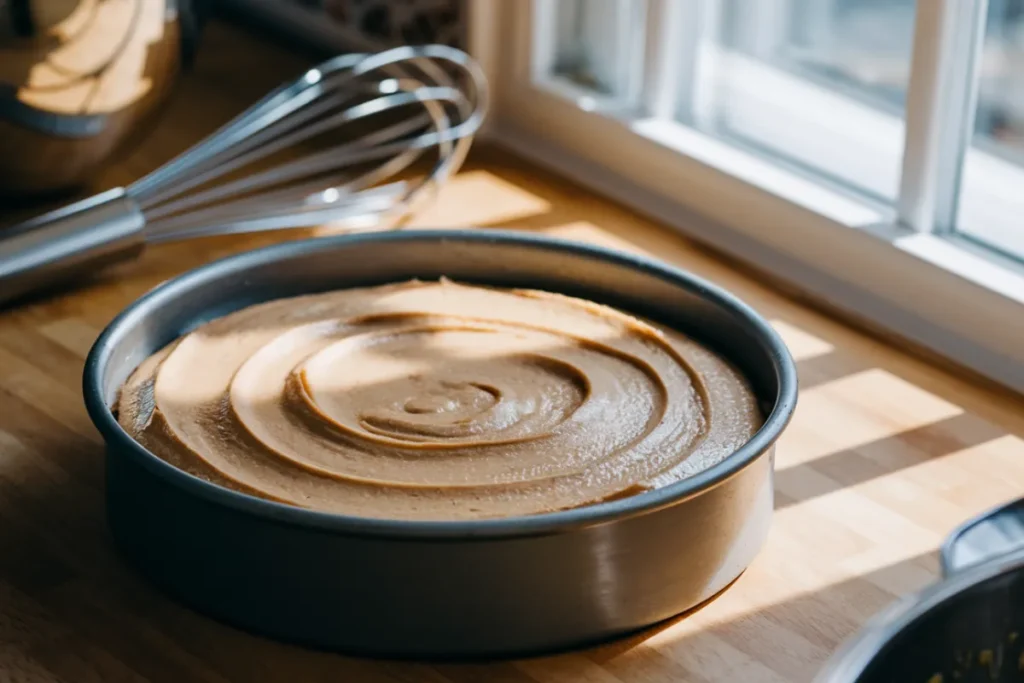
(886, 454)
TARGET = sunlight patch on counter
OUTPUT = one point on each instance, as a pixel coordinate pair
(833, 416)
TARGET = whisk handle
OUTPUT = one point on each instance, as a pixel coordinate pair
(70, 242)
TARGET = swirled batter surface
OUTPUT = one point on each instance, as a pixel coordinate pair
(436, 400)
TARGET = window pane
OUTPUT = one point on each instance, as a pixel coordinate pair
(596, 43)
(820, 83)
(992, 183)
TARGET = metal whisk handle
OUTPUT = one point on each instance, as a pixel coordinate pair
(73, 241)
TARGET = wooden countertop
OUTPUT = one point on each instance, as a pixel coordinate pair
(885, 455)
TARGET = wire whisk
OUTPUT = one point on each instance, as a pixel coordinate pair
(328, 148)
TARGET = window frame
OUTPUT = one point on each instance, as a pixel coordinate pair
(900, 270)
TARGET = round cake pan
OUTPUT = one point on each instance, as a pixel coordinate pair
(485, 588)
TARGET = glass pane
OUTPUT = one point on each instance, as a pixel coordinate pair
(858, 46)
(992, 184)
(594, 43)
(819, 83)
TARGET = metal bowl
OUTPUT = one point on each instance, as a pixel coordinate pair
(492, 587)
(967, 628)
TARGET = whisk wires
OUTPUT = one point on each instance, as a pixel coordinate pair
(388, 110)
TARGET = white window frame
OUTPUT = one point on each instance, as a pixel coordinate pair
(900, 269)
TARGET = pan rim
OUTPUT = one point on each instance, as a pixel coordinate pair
(503, 527)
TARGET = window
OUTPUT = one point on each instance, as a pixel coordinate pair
(870, 152)
(592, 50)
(992, 181)
(820, 84)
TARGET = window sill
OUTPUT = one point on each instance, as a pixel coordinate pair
(951, 253)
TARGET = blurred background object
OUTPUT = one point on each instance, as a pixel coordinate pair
(79, 80)
(357, 24)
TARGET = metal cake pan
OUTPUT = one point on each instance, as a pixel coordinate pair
(486, 588)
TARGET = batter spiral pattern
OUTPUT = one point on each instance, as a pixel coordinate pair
(436, 400)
